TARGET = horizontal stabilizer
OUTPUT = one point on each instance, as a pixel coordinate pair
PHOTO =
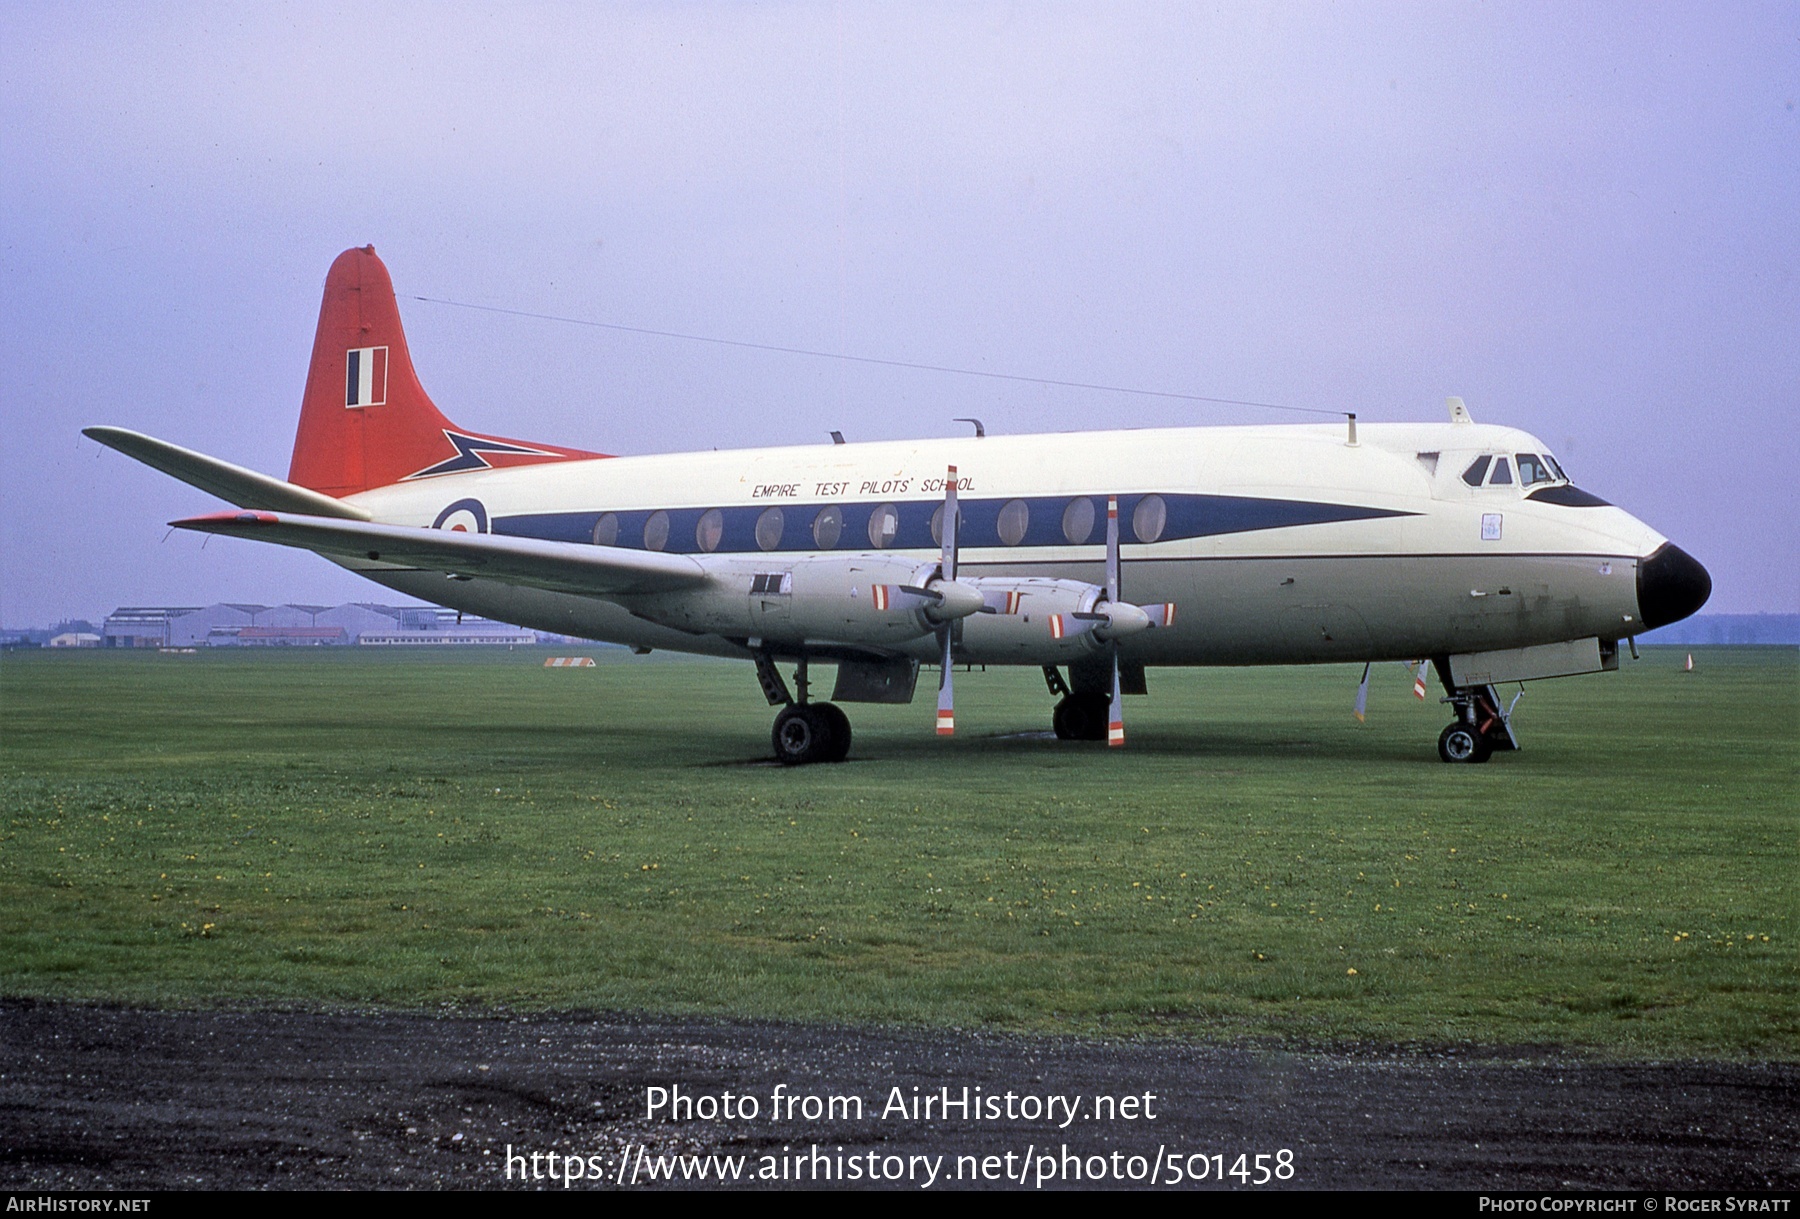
(234, 484)
(601, 571)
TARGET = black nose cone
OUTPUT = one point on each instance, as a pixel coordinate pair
(1671, 584)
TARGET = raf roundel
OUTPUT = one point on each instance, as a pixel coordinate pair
(464, 516)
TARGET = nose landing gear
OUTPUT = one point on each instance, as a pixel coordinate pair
(1482, 726)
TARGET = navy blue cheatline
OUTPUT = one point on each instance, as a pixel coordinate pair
(1189, 516)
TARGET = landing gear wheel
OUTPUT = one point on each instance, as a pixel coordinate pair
(801, 736)
(1079, 718)
(837, 731)
(1462, 742)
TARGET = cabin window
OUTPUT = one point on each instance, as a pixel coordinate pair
(1477, 471)
(1078, 520)
(710, 531)
(1015, 518)
(656, 530)
(606, 529)
(1532, 470)
(1502, 475)
(1149, 518)
(884, 524)
(768, 529)
(828, 527)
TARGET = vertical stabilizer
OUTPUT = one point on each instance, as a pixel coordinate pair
(365, 420)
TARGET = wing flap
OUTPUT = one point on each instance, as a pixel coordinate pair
(602, 571)
(234, 484)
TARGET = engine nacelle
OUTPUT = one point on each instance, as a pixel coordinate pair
(871, 600)
(1020, 628)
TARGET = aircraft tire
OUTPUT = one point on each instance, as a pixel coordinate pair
(1461, 742)
(1080, 719)
(837, 731)
(800, 736)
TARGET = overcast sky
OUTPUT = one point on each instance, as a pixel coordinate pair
(1582, 219)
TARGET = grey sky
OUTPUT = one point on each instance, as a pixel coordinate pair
(1583, 220)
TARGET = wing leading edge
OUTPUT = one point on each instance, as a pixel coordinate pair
(598, 571)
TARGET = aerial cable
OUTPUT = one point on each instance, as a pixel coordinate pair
(838, 355)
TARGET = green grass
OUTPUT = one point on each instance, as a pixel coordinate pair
(411, 830)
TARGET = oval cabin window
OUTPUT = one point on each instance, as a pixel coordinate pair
(710, 531)
(828, 527)
(1078, 521)
(884, 525)
(656, 530)
(1149, 518)
(606, 529)
(1015, 519)
(768, 528)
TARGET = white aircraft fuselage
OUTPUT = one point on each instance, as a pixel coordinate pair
(1279, 544)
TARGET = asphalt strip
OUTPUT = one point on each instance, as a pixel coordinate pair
(96, 1097)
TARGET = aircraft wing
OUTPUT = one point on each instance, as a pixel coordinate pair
(600, 571)
(245, 488)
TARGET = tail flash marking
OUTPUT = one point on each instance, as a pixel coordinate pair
(469, 450)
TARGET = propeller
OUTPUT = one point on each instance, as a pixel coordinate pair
(1115, 717)
(946, 708)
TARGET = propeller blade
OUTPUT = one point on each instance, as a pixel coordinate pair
(1115, 716)
(946, 708)
(1419, 679)
(1362, 696)
(946, 715)
(1113, 592)
(949, 529)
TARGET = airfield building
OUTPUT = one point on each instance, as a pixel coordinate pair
(235, 624)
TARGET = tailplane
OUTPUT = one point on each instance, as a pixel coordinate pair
(365, 420)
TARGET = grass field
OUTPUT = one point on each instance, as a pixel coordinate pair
(411, 830)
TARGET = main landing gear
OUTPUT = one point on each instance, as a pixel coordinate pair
(804, 732)
(1078, 716)
(1482, 727)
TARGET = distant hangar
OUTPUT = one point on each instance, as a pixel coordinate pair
(234, 624)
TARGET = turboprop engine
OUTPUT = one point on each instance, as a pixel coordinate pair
(1038, 620)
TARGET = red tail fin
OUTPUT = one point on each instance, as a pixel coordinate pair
(366, 421)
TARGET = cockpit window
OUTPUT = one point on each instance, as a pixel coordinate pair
(1502, 473)
(1555, 467)
(1477, 471)
(1533, 470)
